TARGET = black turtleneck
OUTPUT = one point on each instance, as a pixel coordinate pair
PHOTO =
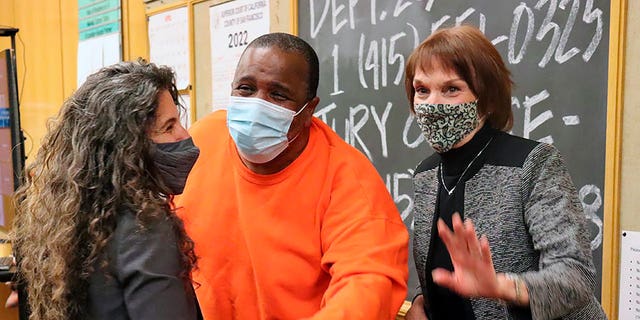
(446, 304)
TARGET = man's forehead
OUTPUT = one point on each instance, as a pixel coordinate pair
(260, 62)
(271, 56)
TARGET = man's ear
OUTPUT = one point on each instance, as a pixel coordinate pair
(311, 108)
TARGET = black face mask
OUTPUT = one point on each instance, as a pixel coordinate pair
(174, 160)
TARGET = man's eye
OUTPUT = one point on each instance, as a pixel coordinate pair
(244, 88)
(279, 96)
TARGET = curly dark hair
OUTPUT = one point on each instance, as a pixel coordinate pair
(94, 164)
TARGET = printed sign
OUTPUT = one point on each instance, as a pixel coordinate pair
(233, 26)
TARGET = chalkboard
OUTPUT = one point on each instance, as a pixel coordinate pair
(556, 50)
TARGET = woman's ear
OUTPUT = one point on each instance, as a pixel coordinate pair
(482, 120)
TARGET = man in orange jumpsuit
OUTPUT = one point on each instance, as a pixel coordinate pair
(288, 220)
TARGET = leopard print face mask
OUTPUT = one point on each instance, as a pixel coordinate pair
(443, 125)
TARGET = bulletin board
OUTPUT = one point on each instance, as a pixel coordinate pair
(199, 88)
(168, 33)
(280, 21)
(170, 43)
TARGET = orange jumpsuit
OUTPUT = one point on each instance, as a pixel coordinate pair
(321, 239)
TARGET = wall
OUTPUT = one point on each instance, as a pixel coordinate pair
(630, 131)
(630, 177)
(45, 60)
(47, 54)
(135, 42)
(46, 69)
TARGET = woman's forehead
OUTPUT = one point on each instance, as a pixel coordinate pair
(435, 71)
(434, 64)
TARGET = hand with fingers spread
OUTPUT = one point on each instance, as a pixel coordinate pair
(474, 274)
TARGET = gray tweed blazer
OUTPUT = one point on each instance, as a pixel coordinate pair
(529, 210)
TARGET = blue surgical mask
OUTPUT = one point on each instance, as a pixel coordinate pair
(259, 128)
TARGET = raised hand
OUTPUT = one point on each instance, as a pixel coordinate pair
(473, 274)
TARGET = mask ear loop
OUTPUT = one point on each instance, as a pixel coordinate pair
(300, 111)
(297, 113)
(482, 119)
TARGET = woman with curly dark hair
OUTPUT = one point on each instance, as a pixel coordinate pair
(95, 230)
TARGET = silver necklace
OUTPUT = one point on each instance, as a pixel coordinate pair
(463, 172)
